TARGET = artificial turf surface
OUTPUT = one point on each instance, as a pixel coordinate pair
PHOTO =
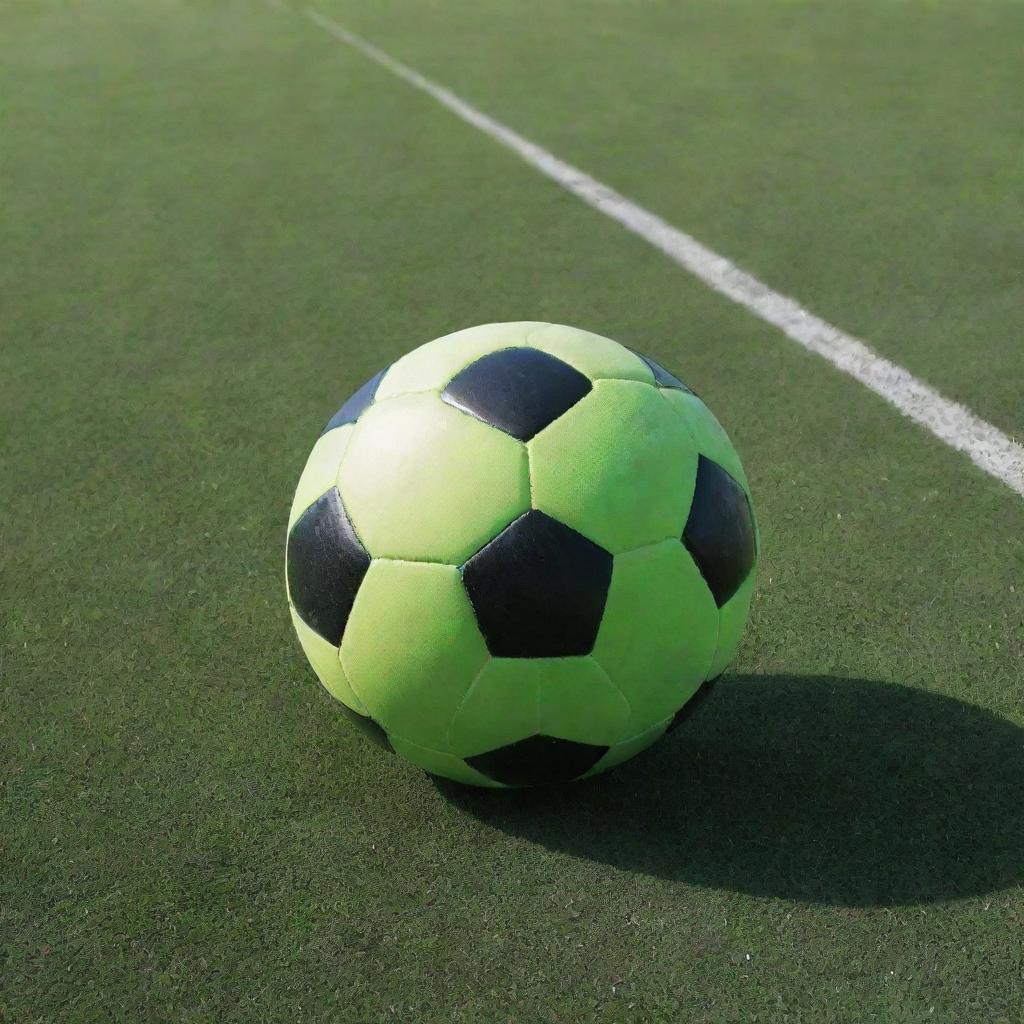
(217, 222)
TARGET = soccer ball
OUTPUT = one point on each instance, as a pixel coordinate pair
(517, 554)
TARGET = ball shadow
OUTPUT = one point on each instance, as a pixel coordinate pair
(839, 791)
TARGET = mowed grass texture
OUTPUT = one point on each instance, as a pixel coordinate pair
(864, 157)
(217, 224)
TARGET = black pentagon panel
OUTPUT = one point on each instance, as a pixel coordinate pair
(538, 761)
(326, 564)
(517, 390)
(719, 532)
(693, 704)
(662, 377)
(539, 589)
(368, 727)
(357, 404)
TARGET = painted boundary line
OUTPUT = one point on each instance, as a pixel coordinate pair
(986, 446)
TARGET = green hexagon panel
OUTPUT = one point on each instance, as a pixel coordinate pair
(412, 648)
(424, 481)
(431, 366)
(659, 633)
(619, 467)
(592, 354)
(326, 663)
(708, 434)
(714, 443)
(321, 470)
(515, 698)
(732, 618)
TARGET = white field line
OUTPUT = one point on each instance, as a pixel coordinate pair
(987, 447)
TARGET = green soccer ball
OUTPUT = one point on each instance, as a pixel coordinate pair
(516, 555)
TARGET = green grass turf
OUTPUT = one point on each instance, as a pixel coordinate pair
(863, 156)
(217, 223)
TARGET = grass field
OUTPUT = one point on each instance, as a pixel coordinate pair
(218, 222)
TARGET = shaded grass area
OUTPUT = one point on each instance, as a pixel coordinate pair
(839, 791)
(219, 225)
